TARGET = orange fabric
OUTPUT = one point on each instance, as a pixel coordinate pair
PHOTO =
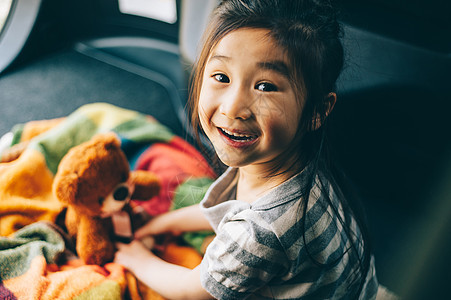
(181, 255)
(35, 128)
(24, 197)
(43, 281)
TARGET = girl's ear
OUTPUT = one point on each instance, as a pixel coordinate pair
(329, 103)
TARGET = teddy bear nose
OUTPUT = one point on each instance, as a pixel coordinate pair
(121, 193)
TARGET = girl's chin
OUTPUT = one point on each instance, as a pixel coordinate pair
(233, 160)
(226, 160)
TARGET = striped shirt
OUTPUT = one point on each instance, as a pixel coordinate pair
(259, 251)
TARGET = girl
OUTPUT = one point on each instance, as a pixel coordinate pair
(262, 90)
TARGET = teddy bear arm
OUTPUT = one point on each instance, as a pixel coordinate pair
(146, 184)
(93, 244)
(71, 222)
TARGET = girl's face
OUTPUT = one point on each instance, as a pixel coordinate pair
(247, 104)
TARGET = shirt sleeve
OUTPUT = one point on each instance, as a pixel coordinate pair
(244, 256)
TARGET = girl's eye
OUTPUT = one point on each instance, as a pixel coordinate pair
(266, 87)
(221, 78)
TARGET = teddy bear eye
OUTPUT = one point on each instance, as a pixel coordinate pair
(101, 199)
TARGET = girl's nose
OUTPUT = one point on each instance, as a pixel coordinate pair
(237, 105)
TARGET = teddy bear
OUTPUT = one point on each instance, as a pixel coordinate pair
(95, 183)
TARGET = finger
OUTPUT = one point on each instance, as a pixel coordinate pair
(143, 231)
(139, 234)
(119, 245)
(148, 242)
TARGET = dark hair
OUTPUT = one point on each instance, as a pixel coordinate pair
(310, 34)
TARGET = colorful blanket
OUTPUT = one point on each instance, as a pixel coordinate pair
(36, 258)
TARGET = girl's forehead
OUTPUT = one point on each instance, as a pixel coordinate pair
(252, 42)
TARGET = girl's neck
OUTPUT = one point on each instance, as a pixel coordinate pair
(253, 183)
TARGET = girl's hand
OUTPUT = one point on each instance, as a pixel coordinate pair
(185, 219)
(133, 256)
(156, 226)
(160, 275)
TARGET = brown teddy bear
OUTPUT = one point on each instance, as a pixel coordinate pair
(95, 182)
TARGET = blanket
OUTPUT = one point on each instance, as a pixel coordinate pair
(36, 258)
(37, 262)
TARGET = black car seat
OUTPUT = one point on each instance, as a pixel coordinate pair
(391, 135)
(110, 57)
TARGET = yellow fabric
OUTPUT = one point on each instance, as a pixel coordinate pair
(26, 193)
(104, 122)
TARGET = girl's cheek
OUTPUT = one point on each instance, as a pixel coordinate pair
(203, 120)
(281, 123)
(206, 103)
(204, 112)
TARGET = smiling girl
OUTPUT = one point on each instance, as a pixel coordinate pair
(263, 89)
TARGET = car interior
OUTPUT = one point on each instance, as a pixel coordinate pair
(390, 124)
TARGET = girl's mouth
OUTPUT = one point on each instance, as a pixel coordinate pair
(237, 139)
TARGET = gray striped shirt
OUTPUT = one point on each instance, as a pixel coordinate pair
(259, 251)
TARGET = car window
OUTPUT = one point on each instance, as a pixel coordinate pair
(5, 8)
(162, 10)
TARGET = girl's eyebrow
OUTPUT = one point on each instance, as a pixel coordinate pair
(277, 65)
(219, 57)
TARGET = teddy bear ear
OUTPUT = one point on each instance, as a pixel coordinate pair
(109, 139)
(146, 184)
(65, 187)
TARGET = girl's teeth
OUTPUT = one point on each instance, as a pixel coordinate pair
(238, 137)
(236, 134)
